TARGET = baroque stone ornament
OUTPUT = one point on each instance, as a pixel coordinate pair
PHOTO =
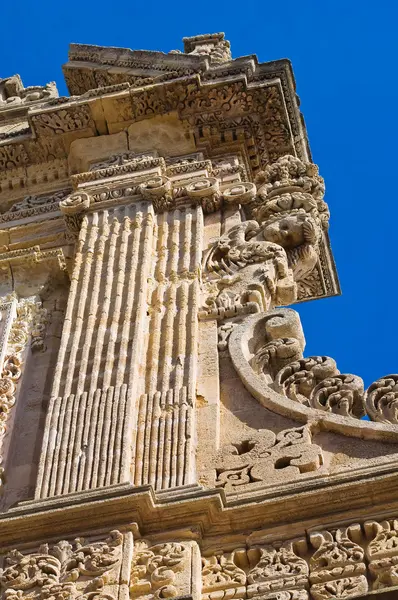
(162, 570)
(337, 568)
(291, 208)
(267, 457)
(162, 432)
(65, 570)
(281, 372)
(23, 321)
(249, 270)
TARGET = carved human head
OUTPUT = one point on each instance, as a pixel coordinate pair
(291, 230)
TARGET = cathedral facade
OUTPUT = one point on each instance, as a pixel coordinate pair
(163, 433)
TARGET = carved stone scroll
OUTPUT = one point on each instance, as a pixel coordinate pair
(78, 569)
(267, 353)
(165, 570)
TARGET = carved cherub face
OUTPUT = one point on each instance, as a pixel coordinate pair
(291, 231)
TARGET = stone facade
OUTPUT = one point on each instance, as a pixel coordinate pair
(162, 432)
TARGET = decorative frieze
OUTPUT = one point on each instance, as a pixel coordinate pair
(328, 564)
(77, 569)
(165, 570)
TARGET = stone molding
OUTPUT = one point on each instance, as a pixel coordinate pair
(338, 561)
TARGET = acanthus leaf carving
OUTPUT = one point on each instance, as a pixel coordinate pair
(154, 568)
(65, 570)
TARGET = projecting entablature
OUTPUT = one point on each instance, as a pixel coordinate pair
(201, 101)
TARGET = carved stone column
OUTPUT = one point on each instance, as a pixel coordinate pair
(122, 398)
(98, 374)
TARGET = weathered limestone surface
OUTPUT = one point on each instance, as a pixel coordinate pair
(162, 431)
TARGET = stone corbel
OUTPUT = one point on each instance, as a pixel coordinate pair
(267, 353)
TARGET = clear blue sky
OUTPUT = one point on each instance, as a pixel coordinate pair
(344, 54)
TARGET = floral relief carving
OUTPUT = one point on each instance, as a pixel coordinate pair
(271, 571)
(13, 156)
(337, 567)
(63, 120)
(67, 570)
(277, 566)
(154, 569)
(382, 552)
(221, 571)
(264, 457)
(33, 205)
(335, 563)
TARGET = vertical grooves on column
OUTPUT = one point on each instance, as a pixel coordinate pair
(117, 301)
(140, 440)
(102, 369)
(94, 295)
(140, 304)
(70, 468)
(164, 473)
(77, 447)
(154, 441)
(78, 316)
(165, 442)
(91, 437)
(128, 297)
(103, 314)
(157, 306)
(164, 448)
(74, 286)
